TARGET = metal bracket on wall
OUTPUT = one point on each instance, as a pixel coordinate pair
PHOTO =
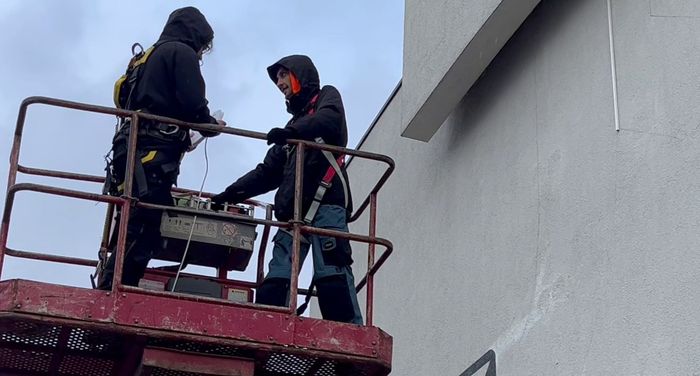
(488, 358)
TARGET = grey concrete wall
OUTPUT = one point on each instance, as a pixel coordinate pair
(527, 225)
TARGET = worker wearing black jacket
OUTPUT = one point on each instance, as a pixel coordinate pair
(317, 115)
(169, 84)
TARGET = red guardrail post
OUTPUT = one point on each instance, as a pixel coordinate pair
(370, 257)
(128, 202)
(296, 228)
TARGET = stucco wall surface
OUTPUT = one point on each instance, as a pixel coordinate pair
(529, 226)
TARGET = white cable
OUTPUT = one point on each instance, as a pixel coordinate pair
(613, 68)
(194, 219)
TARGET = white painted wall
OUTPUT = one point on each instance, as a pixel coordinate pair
(527, 225)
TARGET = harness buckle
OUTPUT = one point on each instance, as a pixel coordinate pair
(169, 129)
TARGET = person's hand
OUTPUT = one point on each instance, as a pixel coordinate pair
(217, 202)
(279, 136)
(216, 118)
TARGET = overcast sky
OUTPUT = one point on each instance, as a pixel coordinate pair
(76, 49)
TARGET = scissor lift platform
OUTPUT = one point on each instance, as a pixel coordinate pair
(54, 330)
(48, 329)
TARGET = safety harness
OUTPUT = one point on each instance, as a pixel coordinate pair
(334, 169)
(326, 182)
(124, 86)
(153, 136)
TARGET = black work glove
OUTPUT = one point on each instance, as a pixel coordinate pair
(213, 120)
(279, 136)
(217, 202)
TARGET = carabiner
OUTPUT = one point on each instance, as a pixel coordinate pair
(172, 129)
(133, 49)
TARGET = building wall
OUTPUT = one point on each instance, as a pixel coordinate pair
(529, 226)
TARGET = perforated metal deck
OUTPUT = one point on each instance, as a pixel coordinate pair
(66, 331)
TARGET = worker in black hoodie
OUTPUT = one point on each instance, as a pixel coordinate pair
(169, 84)
(317, 115)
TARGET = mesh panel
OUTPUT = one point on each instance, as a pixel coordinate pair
(35, 337)
(29, 333)
(25, 360)
(333, 368)
(288, 364)
(88, 340)
(200, 348)
(82, 366)
(328, 369)
(28, 347)
(278, 364)
(77, 340)
(166, 372)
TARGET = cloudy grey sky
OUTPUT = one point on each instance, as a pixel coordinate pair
(76, 49)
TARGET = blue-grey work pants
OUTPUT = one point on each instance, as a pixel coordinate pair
(332, 277)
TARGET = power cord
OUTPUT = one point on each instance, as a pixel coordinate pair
(194, 219)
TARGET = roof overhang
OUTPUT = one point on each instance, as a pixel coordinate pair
(447, 45)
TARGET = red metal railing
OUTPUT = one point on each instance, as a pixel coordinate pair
(126, 202)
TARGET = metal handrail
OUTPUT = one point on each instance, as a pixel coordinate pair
(127, 202)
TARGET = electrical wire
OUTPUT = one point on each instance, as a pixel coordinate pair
(194, 219)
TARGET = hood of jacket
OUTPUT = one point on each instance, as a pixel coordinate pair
(187, 25)
(304, 70)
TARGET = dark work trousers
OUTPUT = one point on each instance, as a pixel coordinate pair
(143, 231)
(332, 277)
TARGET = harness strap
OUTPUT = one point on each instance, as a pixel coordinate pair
(139, 178)
(333, 170)
(307, 299)
(327, 180)
(132, 74)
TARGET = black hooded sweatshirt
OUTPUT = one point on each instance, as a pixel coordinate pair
(316, 112)
(172, 83)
